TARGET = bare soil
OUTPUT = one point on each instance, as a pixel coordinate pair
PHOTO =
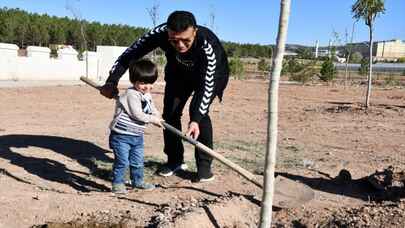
(55, 162)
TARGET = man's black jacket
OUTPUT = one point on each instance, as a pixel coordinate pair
(205, 63)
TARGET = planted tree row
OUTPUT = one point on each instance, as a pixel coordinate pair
(25, 29)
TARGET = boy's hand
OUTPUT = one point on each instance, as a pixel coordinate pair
(193, 130)
(149, 88)
(156, 121)
(109, 90)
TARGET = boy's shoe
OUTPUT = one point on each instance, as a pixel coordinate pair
(167, 171)
(145, 186)
(119, 189)
(207, 179)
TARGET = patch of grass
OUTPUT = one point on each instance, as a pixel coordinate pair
(103, 170)
(152, 165)
(289, 157)
(258, 149)
(191, 165)
(252, 165)
(292, 148)
(289, 162)
(251, 155)
(391, 81)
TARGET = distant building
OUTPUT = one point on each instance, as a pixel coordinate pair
(290, 53)
(389, 50)
(325, 52)
(382, 50)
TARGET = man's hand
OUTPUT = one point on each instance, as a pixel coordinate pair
(109, 90)
(193, 130)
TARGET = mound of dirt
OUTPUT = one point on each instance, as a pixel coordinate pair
(373, 215)
(234, 212)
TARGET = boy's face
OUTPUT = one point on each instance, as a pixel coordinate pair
(182, 41)
(143, 87)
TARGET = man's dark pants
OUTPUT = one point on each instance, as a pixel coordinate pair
(176, 95)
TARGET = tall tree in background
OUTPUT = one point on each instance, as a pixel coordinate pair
(7, 26)
(21, 31)
(78, 16)
(154, 13)
(272, 129)
(154, 16)
(56, 33)
(27, 29)
(211, 23)
(95, 35)
(34, 30)
(349, 48)
(368, 10)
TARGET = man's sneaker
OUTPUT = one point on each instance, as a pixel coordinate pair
(145, 186)
(167, 171)
(119, 189)
(208, 179)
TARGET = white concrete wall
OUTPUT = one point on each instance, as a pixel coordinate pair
(107, 55)
(8, 59)
(39, 66)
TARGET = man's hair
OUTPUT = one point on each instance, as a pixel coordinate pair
(142, 70)
(179, 21)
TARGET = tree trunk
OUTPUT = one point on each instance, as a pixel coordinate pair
(370, 72)
(272, 131)
(349, 54)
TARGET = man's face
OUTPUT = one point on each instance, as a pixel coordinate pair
(182, 41)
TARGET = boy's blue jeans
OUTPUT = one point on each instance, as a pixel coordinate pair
(128, 151)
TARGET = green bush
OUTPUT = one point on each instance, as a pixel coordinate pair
(303, 76)
(291, 66)
(356, 57)
(306, 74)
(54, 53)
(236, 68)
(328, 71)
(305, 53)
(391, 81)
(263, 65)
(364, 66)
(401, 60)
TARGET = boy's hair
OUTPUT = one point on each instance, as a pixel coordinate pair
(142, 70)
(179, 21)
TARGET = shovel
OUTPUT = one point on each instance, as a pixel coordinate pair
(287, 193)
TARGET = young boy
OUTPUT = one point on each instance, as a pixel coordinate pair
(134, 109)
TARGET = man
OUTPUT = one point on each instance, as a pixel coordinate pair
(196, 64)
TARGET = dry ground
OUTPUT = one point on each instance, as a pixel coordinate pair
(55, 161)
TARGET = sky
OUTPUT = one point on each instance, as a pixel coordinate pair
(254, 22)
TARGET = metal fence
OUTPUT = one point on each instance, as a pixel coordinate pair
(378, 67)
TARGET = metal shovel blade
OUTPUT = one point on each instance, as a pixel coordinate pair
(291, 194)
